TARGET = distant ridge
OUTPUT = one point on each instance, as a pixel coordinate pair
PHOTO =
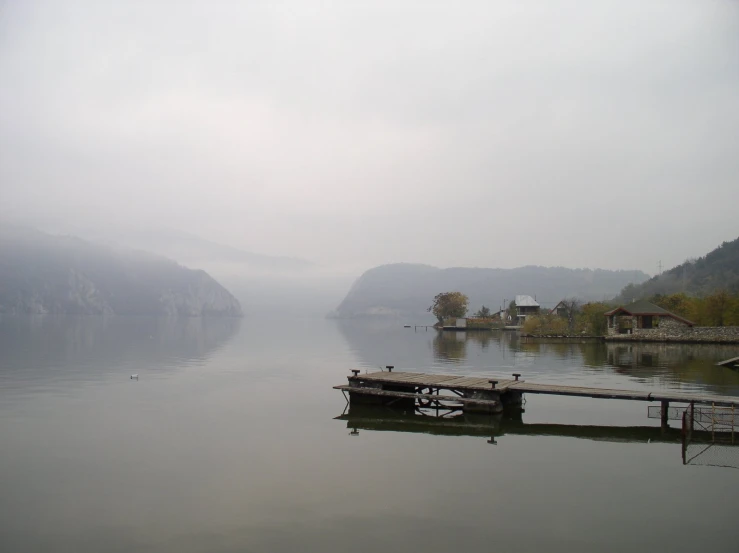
(408, 289)
(190, 249)
(718, 269)
(45, 274)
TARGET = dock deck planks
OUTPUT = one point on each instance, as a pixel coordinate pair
(410, 395)
(469, 383)
(456, 382)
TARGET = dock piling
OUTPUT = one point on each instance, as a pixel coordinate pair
(664, 412)
(491, 395)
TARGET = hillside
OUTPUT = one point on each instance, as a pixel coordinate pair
(41, 273)
(190, 249)
(408, 289)
(717, 270)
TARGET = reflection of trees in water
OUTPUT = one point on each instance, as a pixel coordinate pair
(450, 346)
(592, 353)
(685, 363)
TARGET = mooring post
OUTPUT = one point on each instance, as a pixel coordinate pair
(493, 383)
(389, 368)
(354, 380)
(664, 412)
(516, 376)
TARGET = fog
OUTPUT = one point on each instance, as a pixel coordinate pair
(351, 134)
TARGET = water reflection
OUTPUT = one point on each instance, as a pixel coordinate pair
(46, 348)
(450, 346)
(688, 367)
(702, 447)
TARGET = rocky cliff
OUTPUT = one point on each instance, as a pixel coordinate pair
(41, 273)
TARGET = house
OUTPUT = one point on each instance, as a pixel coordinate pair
(643, 317)
(525, 306)
(501, 314)
(560, 309)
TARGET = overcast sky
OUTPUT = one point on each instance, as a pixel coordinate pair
(499, 134)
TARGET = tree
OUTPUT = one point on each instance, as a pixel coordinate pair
(679, 304)
(483, 313)
(592, 318)
(449, 304)
(570, 306)
(512, 311)
(717, 307)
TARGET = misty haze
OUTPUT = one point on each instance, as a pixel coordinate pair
(504, 232)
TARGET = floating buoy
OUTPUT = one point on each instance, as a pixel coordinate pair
(136, 376)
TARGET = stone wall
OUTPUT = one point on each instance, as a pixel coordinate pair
(679, 332)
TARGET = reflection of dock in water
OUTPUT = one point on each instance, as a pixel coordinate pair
(698, 447)
(385, 419)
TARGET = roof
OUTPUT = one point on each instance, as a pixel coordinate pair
(526, 301)
(554, 309)
(644, 307)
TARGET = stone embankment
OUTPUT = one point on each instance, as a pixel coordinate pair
(698, 334)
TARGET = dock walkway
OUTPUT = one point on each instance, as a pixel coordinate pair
(475, 394)
(732, 363)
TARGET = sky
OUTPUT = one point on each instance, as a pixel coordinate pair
(491, 134)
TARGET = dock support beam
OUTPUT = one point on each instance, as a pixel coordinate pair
(664, 411)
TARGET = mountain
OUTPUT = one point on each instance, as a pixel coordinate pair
(41, 273)
(408, 289)
(717, 270)
(188, 248)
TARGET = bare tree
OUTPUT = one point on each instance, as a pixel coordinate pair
(570, 306)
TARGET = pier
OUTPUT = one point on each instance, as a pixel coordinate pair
(492, 395)
(732, 363)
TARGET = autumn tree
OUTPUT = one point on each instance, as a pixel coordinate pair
(679, 304)
(449, 304)
(717, 306)
(591, 318)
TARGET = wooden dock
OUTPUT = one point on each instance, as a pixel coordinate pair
(732, 363)
(491, 395)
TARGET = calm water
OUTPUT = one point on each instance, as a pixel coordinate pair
(229, 441)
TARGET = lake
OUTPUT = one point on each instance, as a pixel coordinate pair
(229, 441)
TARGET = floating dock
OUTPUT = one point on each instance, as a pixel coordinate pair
(491, 395)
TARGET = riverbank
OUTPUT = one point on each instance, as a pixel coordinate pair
(689, 335)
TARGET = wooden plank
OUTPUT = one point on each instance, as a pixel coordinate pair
(472, 382)
(391, 377)
(404, 378)
(460, 383)
(408, 395)
(605, 393)
(728, 362)
(554, 389)
(436, 380)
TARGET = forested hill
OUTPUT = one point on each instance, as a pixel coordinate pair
(41, 273)
(408, 289)
(718, 270)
